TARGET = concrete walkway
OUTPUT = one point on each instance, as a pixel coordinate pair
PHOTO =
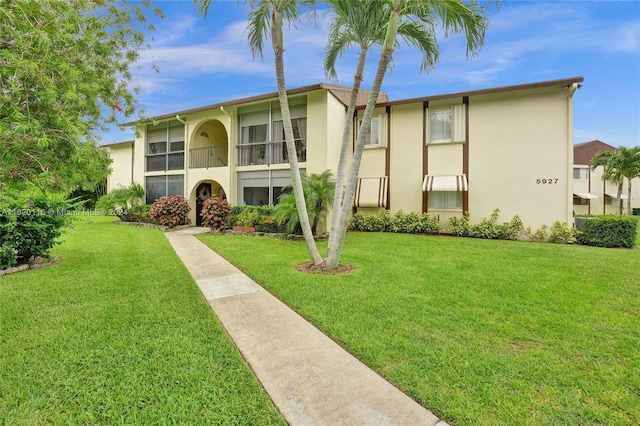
(310, 378)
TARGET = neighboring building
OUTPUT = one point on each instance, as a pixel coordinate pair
(122, 169)
(591, 194)
(508, 148)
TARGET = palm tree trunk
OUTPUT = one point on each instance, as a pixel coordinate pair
(303, 216)
(344, 153)
(333, 258)
(629, 209)
(619, 200)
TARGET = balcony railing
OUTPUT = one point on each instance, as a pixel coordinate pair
(211, 156)
(269, 153)
(164, 162)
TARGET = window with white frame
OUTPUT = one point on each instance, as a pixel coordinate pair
(445, 200)
(446, 125)
(375, 135)
(580, 173)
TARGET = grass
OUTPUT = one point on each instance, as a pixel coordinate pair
(480, 332)
(118, 333)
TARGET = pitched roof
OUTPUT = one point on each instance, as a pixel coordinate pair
(584, 152)
(341, 93)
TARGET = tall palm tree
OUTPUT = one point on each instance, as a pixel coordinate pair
(268, 16)
(362, 24)
(453, 16)
(618, 165)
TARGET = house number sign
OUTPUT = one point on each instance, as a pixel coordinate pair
(550, 181)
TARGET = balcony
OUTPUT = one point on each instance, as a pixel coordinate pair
(204, 158)
(268, 153)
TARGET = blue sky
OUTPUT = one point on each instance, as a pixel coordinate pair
(206, 61)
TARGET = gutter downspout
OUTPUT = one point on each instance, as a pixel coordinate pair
(572, 89)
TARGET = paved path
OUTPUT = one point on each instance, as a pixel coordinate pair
(310, 378)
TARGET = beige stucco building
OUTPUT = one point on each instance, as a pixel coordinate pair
(593, 195)
(508, 148)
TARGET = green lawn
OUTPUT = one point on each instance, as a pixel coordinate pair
(478, 331)
(118, 333)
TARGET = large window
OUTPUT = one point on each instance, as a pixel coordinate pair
(165, 147)
(580, 173)
(262, 187)
(159, 186)
(579, 201)
(445, 200)
(261, 135)
(446, 124)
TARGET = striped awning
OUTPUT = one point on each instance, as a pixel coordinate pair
(445, 183)
(614, 195)
(371, 192)
(585, 195)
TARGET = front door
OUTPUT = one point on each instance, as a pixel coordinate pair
(203, 192)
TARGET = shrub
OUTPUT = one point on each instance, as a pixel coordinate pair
(635, 211)
(609, 231)
(561, 233)
(511, 230)
(539, 236)
(29, 226)
(170, 211)
(374, 222)
(406, 223)
(460, 226)
(260, 217)
(214, 213)
(487, 228)
(122, 199)
(430, 224)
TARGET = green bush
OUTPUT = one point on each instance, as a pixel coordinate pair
(540, 235)
(414, 223)
(609, 231)
(29, 226)
(460, 226)
(635, 211)
(170, 210)
(430, 224)
(373, 222)
(121, 200)
(561, 233)
(214, 213)
(260, 217)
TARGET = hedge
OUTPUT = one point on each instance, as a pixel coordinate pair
(609, 231)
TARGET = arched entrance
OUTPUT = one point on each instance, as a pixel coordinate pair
(202, 191)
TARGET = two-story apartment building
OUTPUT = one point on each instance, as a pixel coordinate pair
(507, 147)
(592, 194)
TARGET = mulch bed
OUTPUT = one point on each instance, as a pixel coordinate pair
(310, 268)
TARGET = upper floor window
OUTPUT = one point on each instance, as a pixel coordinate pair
(447, 124)
(375, 138)
(165, 147)
(580, 173)
(262, 139)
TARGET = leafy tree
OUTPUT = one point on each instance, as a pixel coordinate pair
(318, 192)
(618, 165)
(419, 19)
(64, 63)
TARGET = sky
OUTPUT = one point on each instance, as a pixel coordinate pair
(204, 61)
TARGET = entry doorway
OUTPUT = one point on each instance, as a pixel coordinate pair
(202, 193)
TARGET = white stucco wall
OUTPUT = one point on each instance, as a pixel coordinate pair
(122, 166)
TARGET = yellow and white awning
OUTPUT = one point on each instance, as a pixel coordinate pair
(445, 183)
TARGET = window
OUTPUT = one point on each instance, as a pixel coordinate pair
(610, 201)
(374, 138)
(447, 124)
(579, 201)
(580, 173)
(445, 200)
(166, 135)
(159, 186)
(262, 139)
(258, 188)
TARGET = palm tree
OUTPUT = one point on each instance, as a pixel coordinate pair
(318, 192)
(362, 24)
(268, 16)
(454, 16)
(618, 165)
